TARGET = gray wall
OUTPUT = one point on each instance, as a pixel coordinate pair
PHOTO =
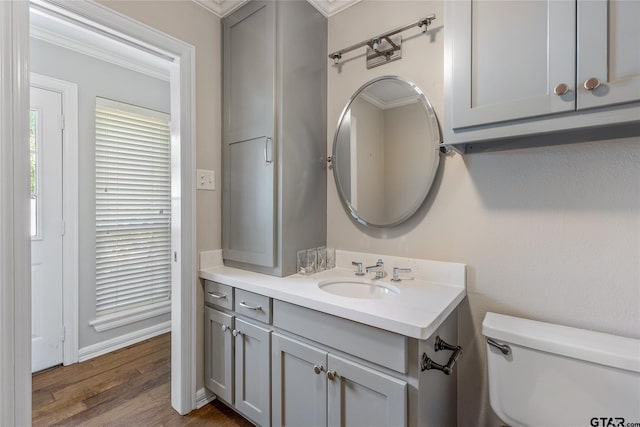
(549, 233)
(95, 78)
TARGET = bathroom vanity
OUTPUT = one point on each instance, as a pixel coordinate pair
(299, 351)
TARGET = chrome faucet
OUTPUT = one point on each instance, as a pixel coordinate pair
(396, 271)
(359, 272)
(378, 269)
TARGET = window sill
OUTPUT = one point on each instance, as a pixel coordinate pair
(116, 320)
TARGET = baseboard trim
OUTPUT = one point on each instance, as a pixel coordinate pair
(122, 341)
(204, 396)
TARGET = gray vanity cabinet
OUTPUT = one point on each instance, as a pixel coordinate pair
(237, 352)
(218, 369)
(312, 386)
(519, 68)
(252, 371)
(274, 134)
(360, 396)
(299, 383)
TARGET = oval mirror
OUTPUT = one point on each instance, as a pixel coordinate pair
(386, 151)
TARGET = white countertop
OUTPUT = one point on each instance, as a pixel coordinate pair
(416, 312)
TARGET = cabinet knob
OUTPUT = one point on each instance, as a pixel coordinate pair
(224, 328)
(561, 89)
(591, 84)
(236, 332)
(318, 369)
(331, 374)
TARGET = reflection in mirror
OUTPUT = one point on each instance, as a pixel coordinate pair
(386, 151)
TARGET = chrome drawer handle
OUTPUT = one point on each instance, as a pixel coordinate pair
(217, 296)
(267, 158)
(250, 307)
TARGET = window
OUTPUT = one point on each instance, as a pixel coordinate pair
(34, 166)
(133, 207)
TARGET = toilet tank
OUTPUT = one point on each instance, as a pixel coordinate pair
(560, 376)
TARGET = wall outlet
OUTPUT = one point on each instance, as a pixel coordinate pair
(205, 180)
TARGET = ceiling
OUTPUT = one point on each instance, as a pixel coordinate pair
(222, 8)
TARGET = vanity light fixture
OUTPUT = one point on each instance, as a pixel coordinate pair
(383, 48)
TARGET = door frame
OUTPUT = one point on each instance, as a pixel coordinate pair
(15, 292)
(69, 92)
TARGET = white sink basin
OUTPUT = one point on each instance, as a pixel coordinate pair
(368, 289)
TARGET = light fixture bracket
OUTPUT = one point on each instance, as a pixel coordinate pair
(383, 48)
(388, 49)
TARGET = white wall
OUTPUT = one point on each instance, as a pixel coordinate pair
(192, 24)
(95, 78)
(549, 233)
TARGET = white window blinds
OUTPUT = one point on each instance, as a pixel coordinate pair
(133, 207)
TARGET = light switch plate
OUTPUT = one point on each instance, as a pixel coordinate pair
(205, 180)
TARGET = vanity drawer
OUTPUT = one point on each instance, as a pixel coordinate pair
(218, 294)
(382, 347)
(253, 305)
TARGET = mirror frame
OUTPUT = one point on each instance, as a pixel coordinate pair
(435, 139)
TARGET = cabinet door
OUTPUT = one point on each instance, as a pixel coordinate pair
(253, 373)
(218, 353)
(299, 384)
(249, 72)
(360, 396)
(608, 40)
(249, 226)
(248, 135)
(507, 57)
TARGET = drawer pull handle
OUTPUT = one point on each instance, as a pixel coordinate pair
(592, 83)
(440, 344)
(250, 307)
(318, 369)
(236, 332)
(332, 375)
(561, 89)
(217, 295)
(268, 158)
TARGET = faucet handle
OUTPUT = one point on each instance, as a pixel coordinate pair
(396, 271)
(359, 272)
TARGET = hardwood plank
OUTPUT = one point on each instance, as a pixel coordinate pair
(128, 387)
(61, 375)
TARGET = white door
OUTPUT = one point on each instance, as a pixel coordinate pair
(46, 228)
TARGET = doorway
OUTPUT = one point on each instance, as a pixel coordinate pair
(15, 300)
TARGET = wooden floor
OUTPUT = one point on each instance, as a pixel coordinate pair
(129, 387)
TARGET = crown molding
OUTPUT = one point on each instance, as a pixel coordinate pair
(222, 8)
(332, 7)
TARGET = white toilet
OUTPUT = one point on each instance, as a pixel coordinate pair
(541, 374)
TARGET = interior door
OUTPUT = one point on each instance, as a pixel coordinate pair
(45, 143)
